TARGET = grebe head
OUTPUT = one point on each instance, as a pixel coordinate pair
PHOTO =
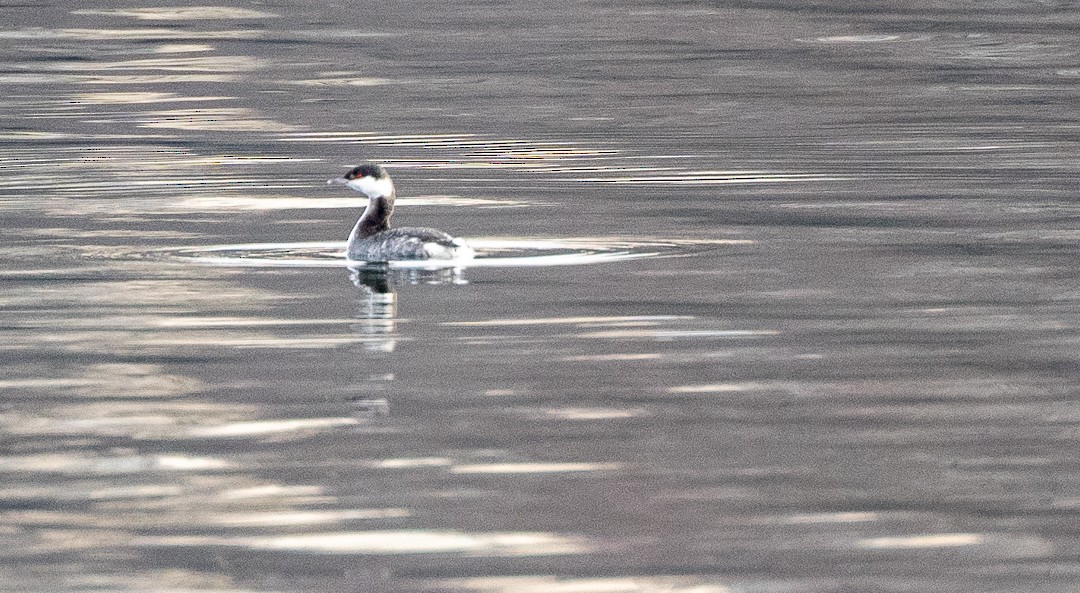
(369, 179)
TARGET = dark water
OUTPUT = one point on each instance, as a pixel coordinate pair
(820, 333)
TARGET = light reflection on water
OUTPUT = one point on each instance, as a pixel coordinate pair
(396, 542)
(181, 13)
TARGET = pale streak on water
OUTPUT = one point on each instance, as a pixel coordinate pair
(822, 337)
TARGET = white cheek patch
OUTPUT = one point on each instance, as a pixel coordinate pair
(372, 187)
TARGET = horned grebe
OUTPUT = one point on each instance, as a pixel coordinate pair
(372, 239)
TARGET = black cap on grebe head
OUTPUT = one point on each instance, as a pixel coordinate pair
(366, 169)
(370, 179)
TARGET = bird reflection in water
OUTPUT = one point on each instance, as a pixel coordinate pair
(377, 322)
(377, 314)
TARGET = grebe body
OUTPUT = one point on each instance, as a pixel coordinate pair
(372, 239)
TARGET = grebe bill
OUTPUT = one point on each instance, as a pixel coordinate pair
(372, 239)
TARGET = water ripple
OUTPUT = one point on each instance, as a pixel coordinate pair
(491, 252)
(189, 64)
(43, 34)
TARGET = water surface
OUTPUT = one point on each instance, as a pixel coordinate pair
(819, 334)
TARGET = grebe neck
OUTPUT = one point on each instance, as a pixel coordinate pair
(375, 219)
